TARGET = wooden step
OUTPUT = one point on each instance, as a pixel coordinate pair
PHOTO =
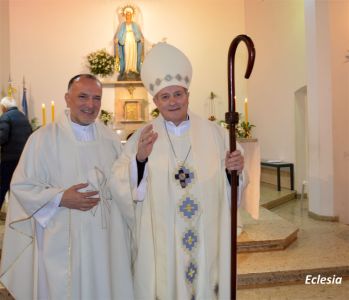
(4, 294)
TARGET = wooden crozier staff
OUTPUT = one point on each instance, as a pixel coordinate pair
(232, 118)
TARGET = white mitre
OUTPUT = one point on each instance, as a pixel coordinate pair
(164, 66)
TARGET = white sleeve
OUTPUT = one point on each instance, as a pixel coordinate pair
(243, 181)
(242, 185)
(44, 214)
(138, 192)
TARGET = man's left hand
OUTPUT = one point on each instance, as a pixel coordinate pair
(234, 161)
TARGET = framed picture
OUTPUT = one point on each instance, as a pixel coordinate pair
(132, 110)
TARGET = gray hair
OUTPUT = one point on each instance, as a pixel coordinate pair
(79, 76)
(8, 102)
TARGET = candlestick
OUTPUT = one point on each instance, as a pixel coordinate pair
(43, 107)
(246, 111)
(53, 111)
(211, 107)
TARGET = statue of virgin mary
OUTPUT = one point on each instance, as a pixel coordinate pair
(128, 46)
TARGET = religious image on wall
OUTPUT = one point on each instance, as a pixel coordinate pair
(129, 44)
(132, 110)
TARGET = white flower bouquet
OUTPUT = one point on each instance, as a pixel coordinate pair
(106, 117)
(101, 63)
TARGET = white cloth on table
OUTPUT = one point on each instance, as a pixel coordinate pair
(251, 198)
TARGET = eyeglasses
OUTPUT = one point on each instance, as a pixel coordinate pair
(176, 95)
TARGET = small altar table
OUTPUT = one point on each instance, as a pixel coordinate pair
(278, 166)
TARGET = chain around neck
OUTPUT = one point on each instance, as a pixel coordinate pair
(181, 163)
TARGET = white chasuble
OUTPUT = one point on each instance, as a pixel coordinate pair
(85, 254)
(184, 201)
(181, 230)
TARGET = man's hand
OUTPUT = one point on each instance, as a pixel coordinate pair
(146, 142)
(234, 161)
(74, 199)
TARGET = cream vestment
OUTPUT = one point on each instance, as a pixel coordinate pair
(181, 230)
(83, 254)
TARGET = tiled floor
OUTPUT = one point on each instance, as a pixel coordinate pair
(320, 245)
(297, 292)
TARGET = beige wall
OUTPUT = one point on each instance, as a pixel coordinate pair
(277, 28)
(320, 108)
(4, 46)
(327, 44)
(339, 30)
(49, 40)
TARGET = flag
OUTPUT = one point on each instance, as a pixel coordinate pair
(24, 102)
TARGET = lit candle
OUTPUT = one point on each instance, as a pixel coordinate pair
(53, 111)
(246, 111)
(43, 107)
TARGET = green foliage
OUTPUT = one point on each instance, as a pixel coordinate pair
(101, 63)
(106, 117)
(155, 113)
(242, 130)
(34, 123)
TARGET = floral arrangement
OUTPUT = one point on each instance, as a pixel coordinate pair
(34, 123)
(101, 63)
(223, 124)
(155, 113)
(106, 117)
(242, 130)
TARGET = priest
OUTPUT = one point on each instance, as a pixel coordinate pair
(64, 236)
(178, 205)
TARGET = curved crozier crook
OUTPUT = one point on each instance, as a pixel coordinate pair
(231, 65)
(232, 118)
